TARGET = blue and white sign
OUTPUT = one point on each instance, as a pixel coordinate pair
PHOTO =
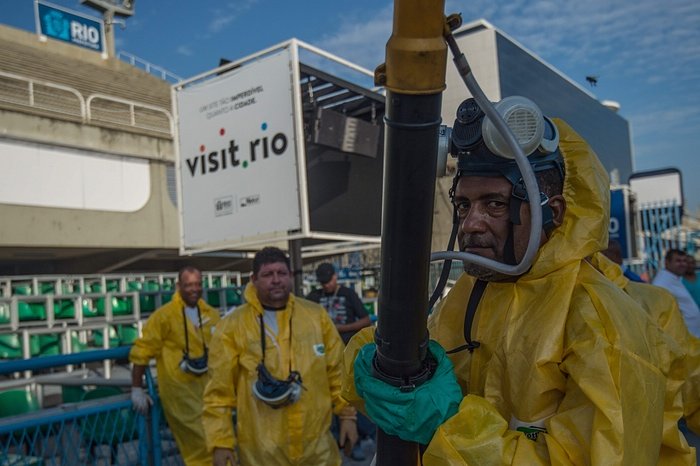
(69, 26)
(619, 220)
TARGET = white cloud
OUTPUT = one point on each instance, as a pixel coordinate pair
(359, 39)
(673, 120)
(628, 38)
(597, 32)
(222, 17)
(184, 50)
(220, 22)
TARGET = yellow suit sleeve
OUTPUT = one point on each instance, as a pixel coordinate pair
(360, 339)
(151, 342)
(611, 412)
(478, 435)
(220, 393)
(691, 388)
(334, 363)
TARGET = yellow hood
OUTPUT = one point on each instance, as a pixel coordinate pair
(587, 193)
(610, 269)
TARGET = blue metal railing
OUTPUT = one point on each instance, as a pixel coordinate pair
(47, 362)
(102, 428)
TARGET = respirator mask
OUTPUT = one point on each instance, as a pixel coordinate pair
(270, 390)
(482, 151)
(274, 392)
(194, 366)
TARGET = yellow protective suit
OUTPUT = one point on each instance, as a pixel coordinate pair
(180, 393)
(663, 309)
(297, 434)
(691, 388)
(565, 354)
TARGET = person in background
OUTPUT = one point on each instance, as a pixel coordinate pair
(178, 336)
(690, 278)
(670, 278)
(344, 307)
(614, 253)
(684, 368)
(349, 315)
(278, 363)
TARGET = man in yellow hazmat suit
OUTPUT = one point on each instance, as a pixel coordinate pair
(178, 335)
(278, 363)
(557, 365)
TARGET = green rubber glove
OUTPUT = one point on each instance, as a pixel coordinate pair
(412, 416)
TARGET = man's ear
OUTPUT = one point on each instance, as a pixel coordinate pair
(558, 205)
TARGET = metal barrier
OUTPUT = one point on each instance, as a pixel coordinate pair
(68, 300)
(37, 93)
(662, 230)
(86, 283)
(111, 307)
(100, 428)
(150, 68)
(129, 113)
(65, 100)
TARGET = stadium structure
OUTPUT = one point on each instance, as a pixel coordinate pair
(89, 160)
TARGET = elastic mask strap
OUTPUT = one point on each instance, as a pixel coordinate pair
(515, 211)
(187, 341)
(518, 195)
(472, 305)
(509, 248)
(262, 339)
(447, 265)
(201, 332)
(547, 214)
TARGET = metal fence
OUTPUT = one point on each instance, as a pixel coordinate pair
(67, 101)
(149, 67)
(661, 230)
(97, 428)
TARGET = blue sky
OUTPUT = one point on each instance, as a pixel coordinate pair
(645, 53)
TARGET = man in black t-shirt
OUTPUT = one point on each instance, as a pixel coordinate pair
(349, 316)
(343, 305)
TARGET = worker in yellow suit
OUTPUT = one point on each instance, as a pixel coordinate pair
(662, 308)
(555, 366)
(178, 336)
(278, 363)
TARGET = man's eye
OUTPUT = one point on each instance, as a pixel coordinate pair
(497, 205)
(462, 208)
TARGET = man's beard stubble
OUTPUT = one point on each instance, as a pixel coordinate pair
(479, 271)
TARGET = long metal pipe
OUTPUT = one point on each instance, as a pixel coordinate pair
(414, 76)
